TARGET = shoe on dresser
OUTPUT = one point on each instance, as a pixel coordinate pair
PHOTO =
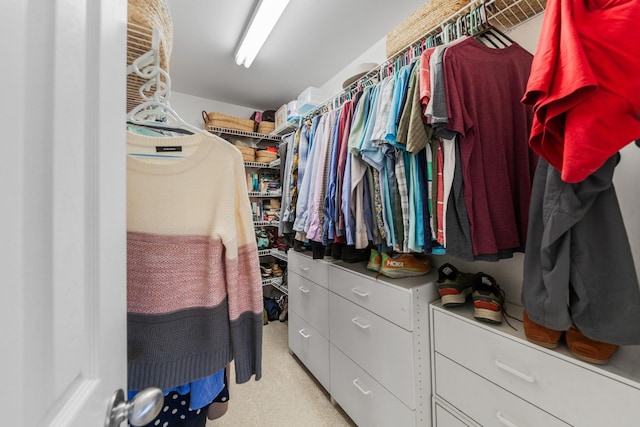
(587, 349)
(538, 334)
(488, 298)
(404, 265)
(375, 261)
(453, 286)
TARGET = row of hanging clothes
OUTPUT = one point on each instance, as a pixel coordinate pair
(428, 155)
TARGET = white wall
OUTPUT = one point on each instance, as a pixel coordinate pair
(190, 108)
(376, 53)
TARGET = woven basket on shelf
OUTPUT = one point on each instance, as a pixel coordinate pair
(155, 14)
(265, 127)
(228, 122)
(420, 23)
(265, 156)
(248, 153)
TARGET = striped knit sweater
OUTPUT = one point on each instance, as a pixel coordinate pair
(194, 293)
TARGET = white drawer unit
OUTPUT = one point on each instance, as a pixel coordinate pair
(311, 348)
(303, 265)
(366, 401)
(310, 301)
(380, 347)
(365, 338)
(446, 417)
(309, 313)
(493, 405)
(388, 298)
(510, 381)
(380, 328)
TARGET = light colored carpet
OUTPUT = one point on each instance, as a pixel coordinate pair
(286, 396)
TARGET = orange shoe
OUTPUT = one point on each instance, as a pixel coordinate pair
(541, 335)
(584, 348)
(404, 265)
(375, 261)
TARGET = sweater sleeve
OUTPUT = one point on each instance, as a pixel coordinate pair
(244, 284)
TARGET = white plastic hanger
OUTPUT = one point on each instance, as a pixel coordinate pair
(156, 110)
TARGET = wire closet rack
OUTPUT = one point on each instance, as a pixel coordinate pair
(505, 15)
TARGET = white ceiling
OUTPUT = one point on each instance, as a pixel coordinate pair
(312, 42)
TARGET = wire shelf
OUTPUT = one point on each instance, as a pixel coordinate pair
(281, 255)
(287, 127)
(259, 165)
(504, 14)
(274, 194)
(265, 223)
(254, 135)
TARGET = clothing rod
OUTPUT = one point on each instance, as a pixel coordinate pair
(493, 8)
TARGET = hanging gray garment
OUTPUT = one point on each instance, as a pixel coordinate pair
(578, 266)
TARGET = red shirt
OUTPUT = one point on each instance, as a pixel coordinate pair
(584, 84)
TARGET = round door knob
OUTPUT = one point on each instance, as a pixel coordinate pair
(141, 410)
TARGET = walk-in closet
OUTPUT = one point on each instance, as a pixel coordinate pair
(283, 213)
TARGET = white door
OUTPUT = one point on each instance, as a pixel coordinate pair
(62, 200)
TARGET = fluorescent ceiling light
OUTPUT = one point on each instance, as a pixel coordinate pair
(264, 18)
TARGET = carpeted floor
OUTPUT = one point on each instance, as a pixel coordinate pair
(286, 396)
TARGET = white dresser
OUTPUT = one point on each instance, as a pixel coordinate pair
(366, 340)
(309, 313)
(488, 375)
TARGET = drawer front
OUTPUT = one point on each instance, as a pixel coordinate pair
(392, 303)
(311, 348)
(362, 397)
(444, 418)
(309, 268)
(572, 393)
(309, 301)
(483, 401)
(381, 348)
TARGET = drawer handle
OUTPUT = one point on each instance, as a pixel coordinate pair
(304, 268)
(504, 420)
(301, 332)
(359, 293)
(363, 391)
(360, 325)
(303, 290)
(509, 369)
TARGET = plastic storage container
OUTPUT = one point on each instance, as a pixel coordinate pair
(309, 99)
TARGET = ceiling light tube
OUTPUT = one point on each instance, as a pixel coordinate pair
(264, 18)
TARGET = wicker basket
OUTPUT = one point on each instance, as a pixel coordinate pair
(265, 127)
(421, 22)
(228, 122)
(265, 156)
(155, 14)
(248, 153)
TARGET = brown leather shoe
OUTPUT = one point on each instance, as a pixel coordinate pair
(584, 348)
(538, 334)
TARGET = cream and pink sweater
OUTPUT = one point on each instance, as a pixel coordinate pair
(194, 292)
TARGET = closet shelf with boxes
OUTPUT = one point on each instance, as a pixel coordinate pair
(258, 144)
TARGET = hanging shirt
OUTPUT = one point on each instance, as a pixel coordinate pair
(483, 87)
(305, 161)
(328, 232)
(399, 89)
(584, 85)
(342, 160)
